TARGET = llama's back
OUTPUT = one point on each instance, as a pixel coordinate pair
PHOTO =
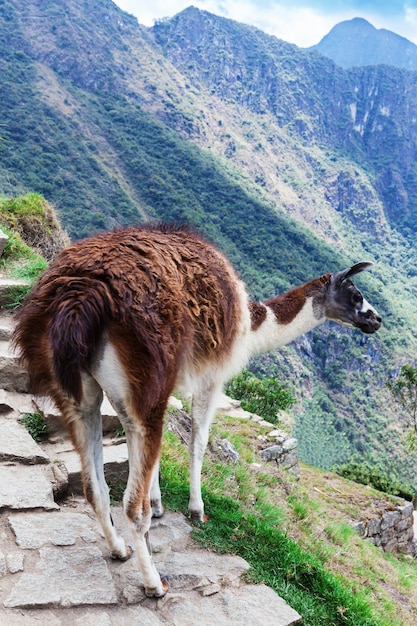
(163, 295)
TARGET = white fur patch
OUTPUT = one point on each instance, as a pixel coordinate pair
(110, 375)
(271, 334)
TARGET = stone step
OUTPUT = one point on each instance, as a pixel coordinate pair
(115, 461)
(12, 376)
(17, 445)
(9, 289)
(57, 560)
(24, 487)
(6, 326)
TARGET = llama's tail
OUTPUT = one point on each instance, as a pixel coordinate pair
(76, 328)
(71, 314)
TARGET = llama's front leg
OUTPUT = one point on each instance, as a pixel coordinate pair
(203, 409)
(156, 500)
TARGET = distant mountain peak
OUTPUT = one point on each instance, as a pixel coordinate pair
(356, 42)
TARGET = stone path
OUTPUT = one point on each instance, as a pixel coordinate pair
(55, 568)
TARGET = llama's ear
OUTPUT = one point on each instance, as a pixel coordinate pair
(339, 277)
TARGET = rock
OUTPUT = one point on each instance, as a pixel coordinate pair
(360, 528)
(34, 530)
(228, 406)
(389, 519)
(15, 561)
(272, 453)
(174, 403)
(290, 444)
(3, 565)
(115, 461)
(406, 510)
(58, 477)
(228, 450)
(19, 403)
(65, 577)
(374, 526)
(256, 605)
(12, 376)
(6, 326)
(52, 416)
(17, 445)
(25, 487)
(196, 569)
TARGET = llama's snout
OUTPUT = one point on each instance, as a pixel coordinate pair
(370, 321)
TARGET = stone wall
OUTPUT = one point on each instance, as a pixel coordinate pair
(284, 452)
(392, 530)
(277, 445)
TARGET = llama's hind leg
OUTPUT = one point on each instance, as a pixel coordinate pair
(143, 430)
(144, 447)
(85, 426)
(155, 491)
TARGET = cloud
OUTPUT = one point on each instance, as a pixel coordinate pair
(147, 12)
(302, 22)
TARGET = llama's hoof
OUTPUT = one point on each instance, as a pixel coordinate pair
(129, 552)
(155, 593)
(157, 509)
(197, 516)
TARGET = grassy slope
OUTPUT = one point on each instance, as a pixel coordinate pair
(296, 536)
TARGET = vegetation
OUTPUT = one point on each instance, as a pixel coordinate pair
(368, 473)
(404, 389)
(35, 425)
(34, 235)
(301, 544)
(264, 396)
(34, 224)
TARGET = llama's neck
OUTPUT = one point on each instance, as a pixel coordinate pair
(279, 321)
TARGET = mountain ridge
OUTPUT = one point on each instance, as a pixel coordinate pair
(357, 42)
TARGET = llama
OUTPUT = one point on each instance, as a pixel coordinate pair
(137, 313)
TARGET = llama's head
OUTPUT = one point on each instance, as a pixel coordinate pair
(345, 303)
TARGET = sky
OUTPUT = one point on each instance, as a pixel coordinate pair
(302, 22)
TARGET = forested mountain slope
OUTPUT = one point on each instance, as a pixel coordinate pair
(294, 166)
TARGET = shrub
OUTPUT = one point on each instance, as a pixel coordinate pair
(368, 473)
(35, 425)
(264, 396)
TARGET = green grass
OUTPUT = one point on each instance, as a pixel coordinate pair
(19, 262)
(275, 559)
(294, 546)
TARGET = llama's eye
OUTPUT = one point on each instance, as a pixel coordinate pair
(357, 298)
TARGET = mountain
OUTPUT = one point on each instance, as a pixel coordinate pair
(357, 43)
(291, 164)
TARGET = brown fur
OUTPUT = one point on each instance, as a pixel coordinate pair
(258, 313)
(160, 295)
(288, 305)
